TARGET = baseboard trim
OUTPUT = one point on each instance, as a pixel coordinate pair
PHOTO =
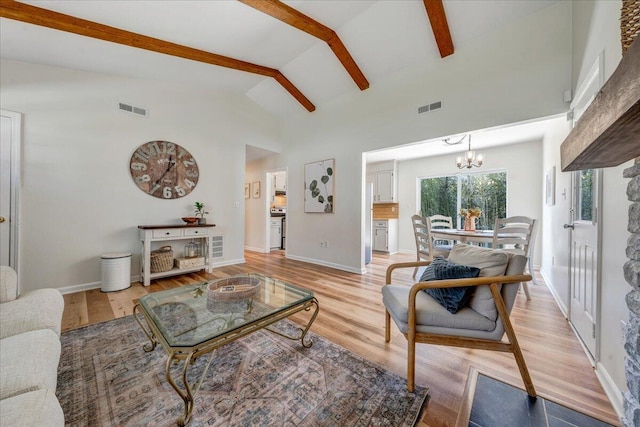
(255, 249)
(97, 285)
(229, 262)
(326, 264)
(610, 389)
(80, 288)
(554, 293)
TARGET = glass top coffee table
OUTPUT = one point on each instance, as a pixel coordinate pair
(191, 321)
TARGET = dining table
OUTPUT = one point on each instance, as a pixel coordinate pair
(463, 236)
(474, 237)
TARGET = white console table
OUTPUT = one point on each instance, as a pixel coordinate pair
(165, 234)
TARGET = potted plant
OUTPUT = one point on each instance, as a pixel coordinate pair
(200, 212)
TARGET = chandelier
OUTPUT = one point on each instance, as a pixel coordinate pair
(469, 159)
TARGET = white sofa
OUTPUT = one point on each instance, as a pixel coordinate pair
(29, 354)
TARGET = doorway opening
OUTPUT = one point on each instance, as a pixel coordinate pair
(277, 210)
(10, 140)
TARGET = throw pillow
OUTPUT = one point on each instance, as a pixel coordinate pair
(491, 263)
(453, 299)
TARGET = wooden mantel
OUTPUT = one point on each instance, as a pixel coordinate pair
(608, 133)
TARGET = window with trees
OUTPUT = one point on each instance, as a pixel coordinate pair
(446, 195)
(585, 194)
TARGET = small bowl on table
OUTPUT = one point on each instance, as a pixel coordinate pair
(190, 220)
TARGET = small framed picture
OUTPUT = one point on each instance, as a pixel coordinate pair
(255, 189)
(550, 186)
(247, 191)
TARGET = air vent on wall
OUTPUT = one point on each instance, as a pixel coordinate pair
(430, 107)
(133, 109)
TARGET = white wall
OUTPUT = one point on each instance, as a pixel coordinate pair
(554, 264)
(523, 163)
(514, 74)
(595, 28)
(78, 200)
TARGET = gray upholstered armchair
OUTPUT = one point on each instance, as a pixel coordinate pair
(480, 321)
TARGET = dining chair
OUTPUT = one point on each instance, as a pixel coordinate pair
(425, 247)
(480, 321)
(440, 222)
(516, 234)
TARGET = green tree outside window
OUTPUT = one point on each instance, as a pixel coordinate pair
(487, 191)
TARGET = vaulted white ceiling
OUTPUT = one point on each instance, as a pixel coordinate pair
(383, 37)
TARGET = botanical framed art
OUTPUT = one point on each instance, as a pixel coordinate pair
(319, 186)
(247, 190)
(255, 190)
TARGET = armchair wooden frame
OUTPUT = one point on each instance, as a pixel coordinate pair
(414, 336)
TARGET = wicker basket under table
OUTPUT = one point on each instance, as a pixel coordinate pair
(161, 259)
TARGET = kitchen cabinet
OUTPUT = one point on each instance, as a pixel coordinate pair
(384, 177)
(152, 236)
(385, 235)
(275, 234)
(280, 181)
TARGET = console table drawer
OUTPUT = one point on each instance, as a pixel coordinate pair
(196, 231)
(167, 232)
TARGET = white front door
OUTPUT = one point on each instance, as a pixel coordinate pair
(585, 261)
(9, 162)
(5, 188)
(585, 234)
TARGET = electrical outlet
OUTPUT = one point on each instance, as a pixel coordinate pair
(326, 244)
(236, 204)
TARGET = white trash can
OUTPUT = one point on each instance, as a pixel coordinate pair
(116, 271)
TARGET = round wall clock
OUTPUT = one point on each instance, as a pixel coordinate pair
(164, 170)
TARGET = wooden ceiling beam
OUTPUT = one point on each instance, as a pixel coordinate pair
(439, 25)
(302, 22)
(11, 9)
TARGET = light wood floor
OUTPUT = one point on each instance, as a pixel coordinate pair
(352, 315)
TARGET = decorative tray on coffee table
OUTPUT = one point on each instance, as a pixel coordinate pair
(233, 288)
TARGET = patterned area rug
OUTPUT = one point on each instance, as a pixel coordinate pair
(106, 379)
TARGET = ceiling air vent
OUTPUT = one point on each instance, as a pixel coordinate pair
(430, 107)
(133, 109)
